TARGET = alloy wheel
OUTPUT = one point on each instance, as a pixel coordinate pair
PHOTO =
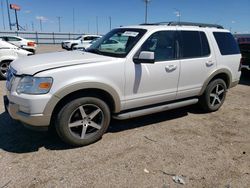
(217, 95)
(86, 121)
(4, 68)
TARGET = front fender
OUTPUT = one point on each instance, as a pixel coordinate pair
(81, 86)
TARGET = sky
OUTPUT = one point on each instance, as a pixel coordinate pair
(232, 14)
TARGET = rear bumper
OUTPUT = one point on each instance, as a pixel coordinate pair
(235, 83)
(247, 67)
(34, 120)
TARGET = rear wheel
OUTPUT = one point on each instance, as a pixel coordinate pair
(214, 95)
(83, 121)
(4, 65)
(72, 46)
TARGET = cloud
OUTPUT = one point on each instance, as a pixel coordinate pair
(44, 19)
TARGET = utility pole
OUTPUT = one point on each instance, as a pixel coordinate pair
(8, 10)
(97, 26)
(110, 23)
(146, 10)
(73, 20)
(88, 27)
(17, 25)
(41, 26)
(3, 15)
(59, 22)
(32, 25)
(178, 14)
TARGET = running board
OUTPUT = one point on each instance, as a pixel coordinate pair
(142, 112)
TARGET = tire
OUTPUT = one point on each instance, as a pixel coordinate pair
(72, 46)
(4, 65)
(214, 96)
(83, 121)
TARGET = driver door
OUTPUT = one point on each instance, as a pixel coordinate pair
(152, 83)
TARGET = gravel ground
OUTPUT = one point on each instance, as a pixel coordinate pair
(207, 150)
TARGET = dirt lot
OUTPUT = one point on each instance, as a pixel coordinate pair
(207, 150)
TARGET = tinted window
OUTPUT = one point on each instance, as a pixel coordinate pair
(162, 43)
(204, 44)
(13, 39)
(226, 43)
(191, 44)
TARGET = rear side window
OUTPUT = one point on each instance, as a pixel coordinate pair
(191, 45)
(226, 43)
(194, 44)
(204, 44)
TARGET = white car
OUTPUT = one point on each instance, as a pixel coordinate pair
(84, 39)
(8, 53)
(84, 46)
(25, 44)
(160, 67)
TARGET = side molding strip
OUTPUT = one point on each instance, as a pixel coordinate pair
(155, 109)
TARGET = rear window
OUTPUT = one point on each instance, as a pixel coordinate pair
(226, 43)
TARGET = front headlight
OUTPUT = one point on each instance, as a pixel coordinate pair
(34, 85)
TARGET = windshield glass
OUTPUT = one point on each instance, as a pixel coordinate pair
(78, 38)
(118, 42)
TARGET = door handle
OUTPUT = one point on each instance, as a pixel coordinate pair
(170, 68)
(209, 63)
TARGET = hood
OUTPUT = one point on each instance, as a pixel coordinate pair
(36, 63)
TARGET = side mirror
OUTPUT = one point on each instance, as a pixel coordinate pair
(145, 57)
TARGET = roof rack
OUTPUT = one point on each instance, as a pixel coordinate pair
(186, 24)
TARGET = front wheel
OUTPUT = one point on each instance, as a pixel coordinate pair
(83, 121)
(4, 65)
(214, 95)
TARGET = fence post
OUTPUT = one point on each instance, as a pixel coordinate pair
(37, 38)
(69, 36)
(53, 35)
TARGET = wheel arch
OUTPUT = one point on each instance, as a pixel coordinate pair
(223, 74)
(99, 90)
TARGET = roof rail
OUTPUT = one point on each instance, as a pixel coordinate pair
(186, 24)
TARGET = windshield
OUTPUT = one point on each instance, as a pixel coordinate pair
(117, 43)
(78, 38)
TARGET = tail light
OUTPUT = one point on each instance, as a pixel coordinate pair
(31, 43)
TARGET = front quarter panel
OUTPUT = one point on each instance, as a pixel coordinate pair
(107, 76)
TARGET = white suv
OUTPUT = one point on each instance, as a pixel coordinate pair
(160, 67)
(82, 40)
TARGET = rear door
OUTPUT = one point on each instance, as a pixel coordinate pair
(196, 61)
